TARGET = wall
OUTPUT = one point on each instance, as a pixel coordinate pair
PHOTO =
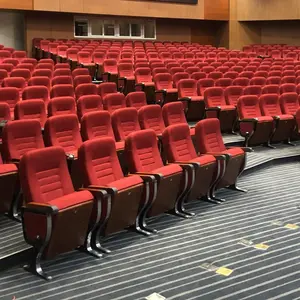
(16, 4)
(278, 32)
(124, 8)
(216, 10)
(12, 30)
(268, 10)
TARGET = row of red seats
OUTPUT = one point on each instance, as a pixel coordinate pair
(152, 188)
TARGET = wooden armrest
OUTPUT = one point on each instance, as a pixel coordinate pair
(40, 208)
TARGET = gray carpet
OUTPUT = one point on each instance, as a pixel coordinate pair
(170, 262)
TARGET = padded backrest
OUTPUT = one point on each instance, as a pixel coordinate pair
(112, 102)
(288, 79)
(63, 131)
(31, 110)
(80, 79)
(241, 81)
(143, 75)
(39, 80)
(142, 151)
(4, 111)
(10, 95)
(232, 94)
(62, 72)
(19, 137)
(80, 71)
(288, 88)
(106, 88)
(150, 117)
(136, 100)
(179, 76)
(17, 82)
(269, 105)
(163, 81)
(125, 70)
(36, 92)
(64, 79)
(258, 81)
(96, 124)
(42, 72)
(173, 113)
(198, 75)
(99, 162)
(61, 106)
(289, 103)
(252, 90)
(248, 107)
(178, 143)
(124, 121)
(62, 90)
(85, 89)
(110, 65)
(208, 136)
(88, 103)
(270, 89)
(203, 84)
(187, 88)
(214, 96)
(44, 175)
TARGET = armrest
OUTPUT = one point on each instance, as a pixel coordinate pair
(70, 156)
(122, 78)
(164, 91)
(146, 178)
(193, 163)
(216, 108)
(157, 176)
(3, 123)
(40, 208)
(109, 190)
(219, 156)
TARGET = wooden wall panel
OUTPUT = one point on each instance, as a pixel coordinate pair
(173, 30)
(216, 10)
(268, 10)
(16, 4)
(46, 5)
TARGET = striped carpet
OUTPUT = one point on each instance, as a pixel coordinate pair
(170, 262)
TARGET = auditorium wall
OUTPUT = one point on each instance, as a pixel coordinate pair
(60, 25)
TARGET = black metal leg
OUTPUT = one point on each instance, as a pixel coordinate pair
(288, 142)
(35, 267)
(87, 247)
(236, 188)
(270, 146)
(207, 198)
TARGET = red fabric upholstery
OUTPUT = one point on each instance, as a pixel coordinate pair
(241, 81)
(36, 93)
(187, 88)
(19, 137)
(173, 113)
(4, 111)
(66, 79)
(270, 89)
(11, 96)
(143, 75)
(214, 97)
(23, 73)
(124, 121)
(163, 81)
(178, 76)
(248, 107)
(110, 66)
(289, 103)
(198, 75)
(150, 117)
(85, 89)
(112, 102)
(81, 79)
(136, 100)
(288, 88)
(223, 82)
(88, 103)
(252, 90)
(39, 80)
(99, 163)
(106, 88)
(80, 71)
(203, 84)
(62, 90)
(42, 72)
(232, 94)
(63, 131)
(31, 110)
(61, 106)
(126, 70)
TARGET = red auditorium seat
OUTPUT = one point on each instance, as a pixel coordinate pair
(58, 207)
(42, 72)
(232, 94)
(216, 107)
(16, 136)
(15, 82)
(253, 90)
(273, 80)
(26, 66)
(106, 88)
(80, 71)
(85, 89)
(36, 92)
(20, 55)
(288, 79)
(288, 88)
(256, 129)
(40, 81)
(62, 90)
(4, 54)
(270, 89)
(61, 80)
(215, 75)
(45, 66)
(80, 79)
(124, 121)
(11, 96)
(289, 103)
(143, 144)
(63, 131)
(195, 106)
(164, 91)
(143, 79)
(179, 147)
(136, 100)
(223, 82)
(3, 74)
(24, 73)
(112, 102)
(258, 81)
(61, 106)
(60, 66)
(31, 110)
(126, 79)
(209, 141)
(84, 59)
(178, 76)
(87, 104)
(8, 67)
(71, 55)
(4, 114)
(284, 123)
(203, 84)
(110, 70)
(150, 117)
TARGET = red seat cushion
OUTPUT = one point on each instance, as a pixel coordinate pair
(168, 170)
(120, 145)
(204, 159)
(149, 83)
(264, 119)
(71, 199)
(197, 98)
(192, 131)
(125, 182)
(234, 151)
(227, 107)
(286, 117)
(7, 168)
(172, 90)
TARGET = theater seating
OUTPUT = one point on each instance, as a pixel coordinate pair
(256, 128)
(106, 88)
(85, 89)
(62, 90)
(232, 161)
(11, 96)
(179, 147)
(284, 123)
(52, 210)
(126, 79)
(143, 79)
(144, 158)
(136, 100)
(61, 106)
(216, 107)
(112, 102)
(88, 103)
(126, 196)
(164, 91)
(63, 131)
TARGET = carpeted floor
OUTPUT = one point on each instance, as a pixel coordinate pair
(170, 263)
